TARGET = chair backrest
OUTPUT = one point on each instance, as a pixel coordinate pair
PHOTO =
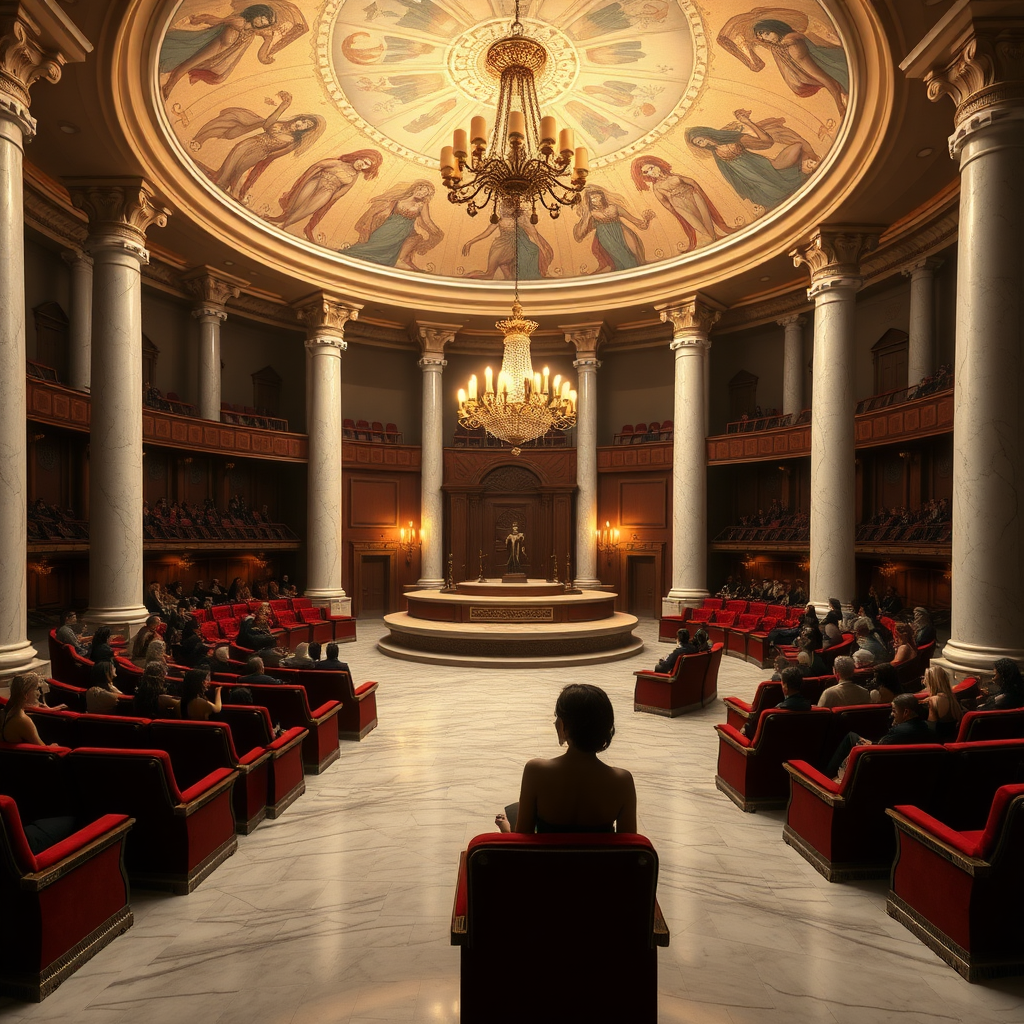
(991, 725)
(1005, 812)
(122, 732)
(195, 748)
(979, 770)
(868, 720)
(711, 678)
(737, 606)
(777, 611)
(756, 607)
(222, 611)
(724, 618)
(844, 647)
(767, 695)
(701, 614)
(747, 621)
(767, 624)
(714, 603)
(239, 611)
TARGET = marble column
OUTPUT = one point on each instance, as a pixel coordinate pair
(921, 343)
(833, 257)
(793, 366)
(80, 326)
(212, 290)
(706, 354)
(586, 338)
(34, 44)
(432, 339)
(120, 211)
(691, 319)
(325, 317)
(975, 55)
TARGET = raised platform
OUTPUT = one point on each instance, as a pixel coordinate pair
(514, 625)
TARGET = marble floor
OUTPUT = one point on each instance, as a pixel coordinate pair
(339, 911)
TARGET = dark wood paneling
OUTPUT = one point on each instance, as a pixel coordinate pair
(643, 504)
(373, 503)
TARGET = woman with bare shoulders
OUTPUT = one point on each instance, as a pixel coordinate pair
(15, 725)
(576, 792)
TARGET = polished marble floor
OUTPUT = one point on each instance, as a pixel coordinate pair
(338, 912)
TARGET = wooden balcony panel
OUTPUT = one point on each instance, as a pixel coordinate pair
(622, 458)
(370, 454)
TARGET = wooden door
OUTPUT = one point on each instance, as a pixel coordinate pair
(641, 582)
(374, 586)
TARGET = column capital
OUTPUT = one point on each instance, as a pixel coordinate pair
(587, 338)
(211, 288)
(926, 265)
(36, 40)
(77, 258)
(325, 317)
(797, 320)
(975, 55)
(692, 319)
(833, 256)
(120, 212)
(431, 338)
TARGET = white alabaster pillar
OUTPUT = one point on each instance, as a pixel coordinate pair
(978, 63)
(707, 388)
(586, 338)
(692, 320)
(119, 213)
(793, 366)
(80, 327)
(921, 341)
(432, 339)
(325, 320)
(210, 318)
(833, 256)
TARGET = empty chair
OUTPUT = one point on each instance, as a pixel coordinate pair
(991, 725)
(625, 435)
(377, 431)
(322, 631)
(392, 434)
(738, 711)
(639, 431)
(667, 430)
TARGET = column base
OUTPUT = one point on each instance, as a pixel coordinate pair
(588, 583)
(124, 621)
(337, 600)
(962, 659)
(679, 599)
(429, 584)
(21, 657)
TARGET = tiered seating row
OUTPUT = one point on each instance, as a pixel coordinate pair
(294, 620)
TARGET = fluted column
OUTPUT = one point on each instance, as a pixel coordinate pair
(212, 290)
(691, 319)
(34, 44)
(325, 318)
(793, 365)
(921, 343)
(432, 339)
(120, 211)
(586, 338)
(833, 257)
(80, 319)
(975, 55)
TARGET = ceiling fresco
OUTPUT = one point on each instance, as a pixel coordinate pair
(321, 120)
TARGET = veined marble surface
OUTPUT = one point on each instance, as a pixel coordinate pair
(339, 911)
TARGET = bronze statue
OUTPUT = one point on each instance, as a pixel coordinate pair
(515, 545)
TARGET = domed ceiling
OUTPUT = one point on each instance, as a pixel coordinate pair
(322, 120)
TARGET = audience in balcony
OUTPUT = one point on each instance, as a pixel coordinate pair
(188, 521)
(779, 523)
(909, 725)
(930, 522)
(47, 522)
(941, 380)
(762, 419)
(1006, 690)
(101, 697)
(15, 724)
(845, 691)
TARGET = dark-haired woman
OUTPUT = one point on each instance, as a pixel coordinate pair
(101, 697)
(101, 649)
(1009, 686)
(576, 792)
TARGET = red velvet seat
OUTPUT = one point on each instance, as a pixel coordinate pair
(180, 836)
(737, 606)
(719, 624)
(981, 768)
(61, 665)
(344, 627)
(960, 892)
(669, 626)
(870, 721)
(62, 905)
(67, 693)
(750, 771)
(625, 435)
(239, 611)
(991, 725)
(586, 903)
(841, 828)
(358, 715)
(322, 630)
(737, 711)
(716, 604)
(736, 637)
(700, 616)
(667, 430)
(692, 683)
(756, 607)
(222, 611)
(295, 631)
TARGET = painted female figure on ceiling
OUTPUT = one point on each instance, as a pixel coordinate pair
(682, 197)
(210, 51)
(276, 138)
(322, 185)
(807, 50)
(396, 226)
(765, 181)
(534, 251)
(616, 246)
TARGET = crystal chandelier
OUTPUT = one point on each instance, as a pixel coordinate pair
(522, 167)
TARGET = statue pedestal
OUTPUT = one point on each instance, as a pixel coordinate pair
(514, 577)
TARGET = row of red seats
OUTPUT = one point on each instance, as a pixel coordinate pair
(360, 430)
(294, 620)
(691, 684)
(645, 432)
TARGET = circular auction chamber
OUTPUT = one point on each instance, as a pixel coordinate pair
(510, 625)
(306, 133)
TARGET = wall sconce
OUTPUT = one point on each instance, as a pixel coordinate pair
(185, 561)
(805, 564)
(41, 568)
(259, 562)
(608, 539)
(888, 569)
(749, 562)
(948, 574)
(408, 539)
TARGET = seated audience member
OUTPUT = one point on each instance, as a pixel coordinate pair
(944, 711)
(817, 666)
(151, 699)
(156, 651)
(143, 639)
(908, 726)
(867, 640)
(15, 724)
(314, 652)
(831, 625)
(810, 631)
(67, 634)
(255, 674)
(153, 600)
(701, 641)
(1006, 691)
(241, 695)
(780, 665)
(885, 684)
(101, 697)
(923, 625)
(683, 646)
(788, 635)
(191, 649)
(845, 691)
(219, 662)
(804, 664)
(233, 589)
(194, 689)
(891, 604)
(793, 699)
(576, 792)
(100, 649)
(300, 659)
(906, 649)
(254, 636)
(798, 596)
(331, 662)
